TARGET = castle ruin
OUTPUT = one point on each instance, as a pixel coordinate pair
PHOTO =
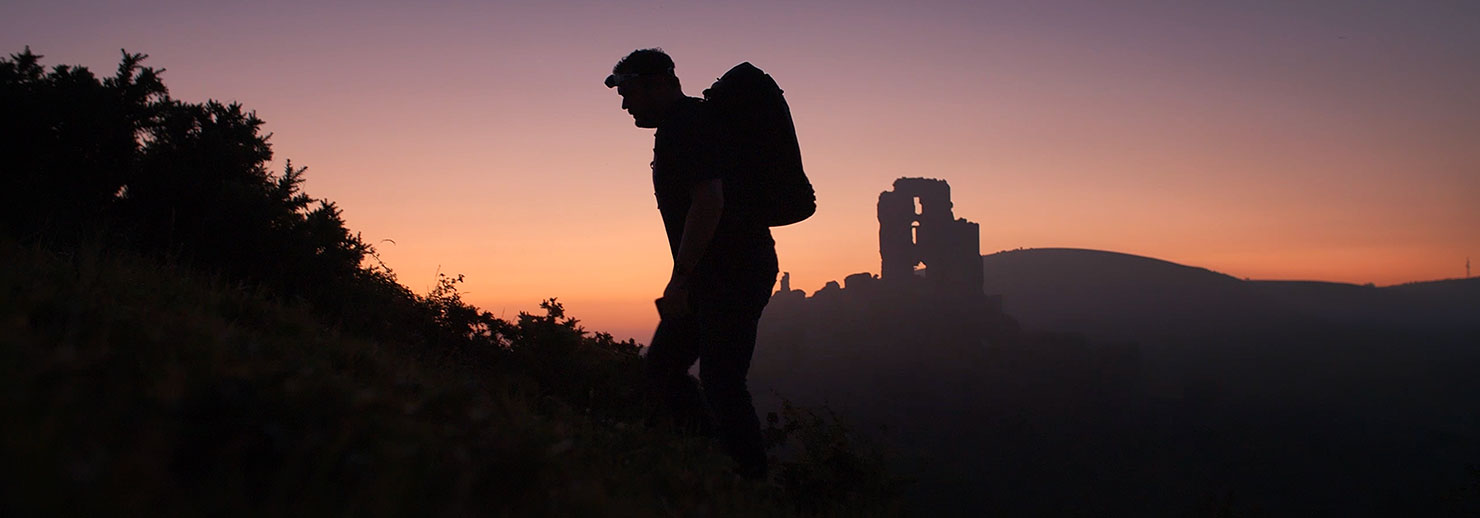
(917, 227)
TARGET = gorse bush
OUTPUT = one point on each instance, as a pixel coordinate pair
(189, 333)
(118, 159)
(71, 141)
(118, 162)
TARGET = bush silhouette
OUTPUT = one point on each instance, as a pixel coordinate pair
(119, 159)
(71, 142)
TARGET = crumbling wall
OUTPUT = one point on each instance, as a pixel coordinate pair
(916, 226)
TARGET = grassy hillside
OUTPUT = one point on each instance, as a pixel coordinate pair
(131, 386)
(185, 332)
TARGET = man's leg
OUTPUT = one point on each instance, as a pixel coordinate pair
(723, 369)
(673, 349)
(727, 336)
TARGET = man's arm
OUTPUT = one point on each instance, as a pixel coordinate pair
(707, 204)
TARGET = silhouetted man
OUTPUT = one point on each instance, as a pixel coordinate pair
(723, 265)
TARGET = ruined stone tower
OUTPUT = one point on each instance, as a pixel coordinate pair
(916, 226)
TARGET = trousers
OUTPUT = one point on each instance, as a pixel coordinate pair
(719, 332)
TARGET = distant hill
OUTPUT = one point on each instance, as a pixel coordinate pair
(1124, 296)
(1331, 370)
(1141, 387)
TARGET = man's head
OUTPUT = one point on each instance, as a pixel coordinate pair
(648, 87)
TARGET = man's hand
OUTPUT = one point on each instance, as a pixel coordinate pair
(675, 300)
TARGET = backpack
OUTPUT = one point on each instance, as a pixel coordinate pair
(772, 187)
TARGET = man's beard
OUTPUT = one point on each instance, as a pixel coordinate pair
(644, 122)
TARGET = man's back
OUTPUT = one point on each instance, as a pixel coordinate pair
(690, 146)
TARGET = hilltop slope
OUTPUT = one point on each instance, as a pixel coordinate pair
(1125, 296)
(1108, 293)
(134, 387)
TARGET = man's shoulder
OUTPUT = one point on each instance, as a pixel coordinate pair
(691, 117)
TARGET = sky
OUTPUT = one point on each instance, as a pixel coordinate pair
(1335, 141)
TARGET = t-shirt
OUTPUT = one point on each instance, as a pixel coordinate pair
(688, 148)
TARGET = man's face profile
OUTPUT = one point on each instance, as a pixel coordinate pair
(638, 99)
